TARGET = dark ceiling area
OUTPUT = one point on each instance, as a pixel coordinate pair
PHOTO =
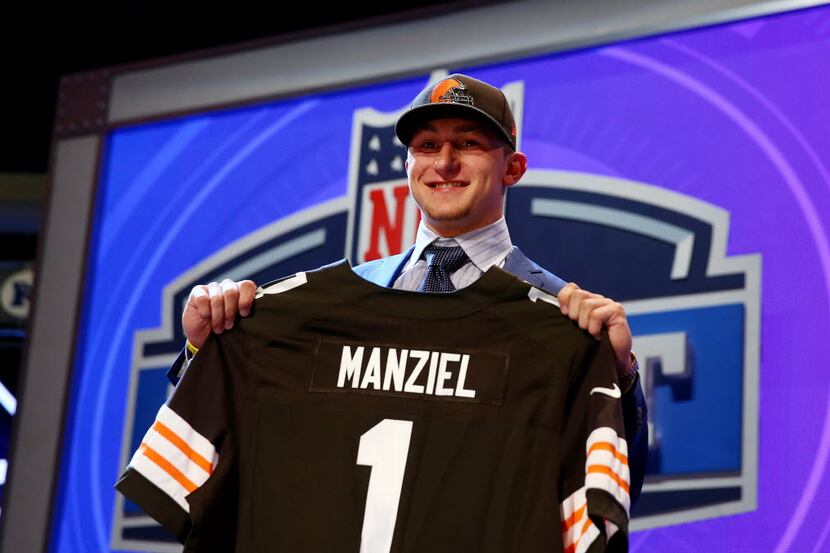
(37, 53)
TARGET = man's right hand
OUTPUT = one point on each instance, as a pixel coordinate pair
(214, 306)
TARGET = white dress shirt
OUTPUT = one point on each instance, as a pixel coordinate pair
(485, 246)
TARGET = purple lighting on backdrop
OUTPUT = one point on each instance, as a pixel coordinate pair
(820, 464)
(809, 207)
(808, 210)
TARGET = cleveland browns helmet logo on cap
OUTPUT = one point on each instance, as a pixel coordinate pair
(450, 90)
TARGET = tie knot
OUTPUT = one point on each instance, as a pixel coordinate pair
(450, 258)
(441, 262)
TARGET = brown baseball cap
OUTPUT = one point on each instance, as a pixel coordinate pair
(463, 97)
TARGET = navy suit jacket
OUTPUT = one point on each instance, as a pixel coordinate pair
(386, 270)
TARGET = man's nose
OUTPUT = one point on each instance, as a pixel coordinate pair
(446, 159)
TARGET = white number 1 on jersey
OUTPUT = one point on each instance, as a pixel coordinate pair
(384, 447)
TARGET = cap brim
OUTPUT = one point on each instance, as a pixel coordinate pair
(415, 118)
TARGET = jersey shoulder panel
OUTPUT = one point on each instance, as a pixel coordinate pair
(286, 304)
(538, 316)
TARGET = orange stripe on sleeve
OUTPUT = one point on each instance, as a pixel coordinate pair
(585, 527)
(167, 467)
(571, 548)
(574, 518)
(607, 471)
(609, 447)
(174, 439)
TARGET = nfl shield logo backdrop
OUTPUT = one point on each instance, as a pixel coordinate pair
(694, 311)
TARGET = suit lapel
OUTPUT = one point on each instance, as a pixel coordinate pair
(519, 265)
(390, 268)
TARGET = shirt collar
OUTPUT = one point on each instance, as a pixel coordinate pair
(485, 246)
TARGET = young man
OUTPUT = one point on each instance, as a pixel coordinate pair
(461, 141)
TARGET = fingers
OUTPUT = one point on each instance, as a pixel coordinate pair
(574, 302)
(614, 319)
(196, 316)
(593, 312)
(590, 311)
(592, 315)
(247, 291)
(214, 306)
(230, 295)
(199, 301)
(565, 295)
(217, 307)
(611, 316)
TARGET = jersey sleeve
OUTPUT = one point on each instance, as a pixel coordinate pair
(595, 480)
(183, 472)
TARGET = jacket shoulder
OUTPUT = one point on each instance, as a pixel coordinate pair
(383, 271)
(520, 265)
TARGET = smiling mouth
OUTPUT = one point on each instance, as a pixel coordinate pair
(451, 184)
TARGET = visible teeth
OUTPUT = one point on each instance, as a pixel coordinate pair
(448, 185)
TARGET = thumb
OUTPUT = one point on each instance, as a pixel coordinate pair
(195, 327)
(620, 338)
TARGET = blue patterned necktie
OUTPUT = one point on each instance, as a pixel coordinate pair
(441, 263)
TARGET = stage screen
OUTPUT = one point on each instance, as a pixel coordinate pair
(685, 175)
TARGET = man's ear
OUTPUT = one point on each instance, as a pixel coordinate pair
(516, 168)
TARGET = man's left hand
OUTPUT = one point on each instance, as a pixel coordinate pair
(592, 312)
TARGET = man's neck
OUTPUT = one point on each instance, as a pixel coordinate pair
(453, 233)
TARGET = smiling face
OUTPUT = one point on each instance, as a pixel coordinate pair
(458, 173)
